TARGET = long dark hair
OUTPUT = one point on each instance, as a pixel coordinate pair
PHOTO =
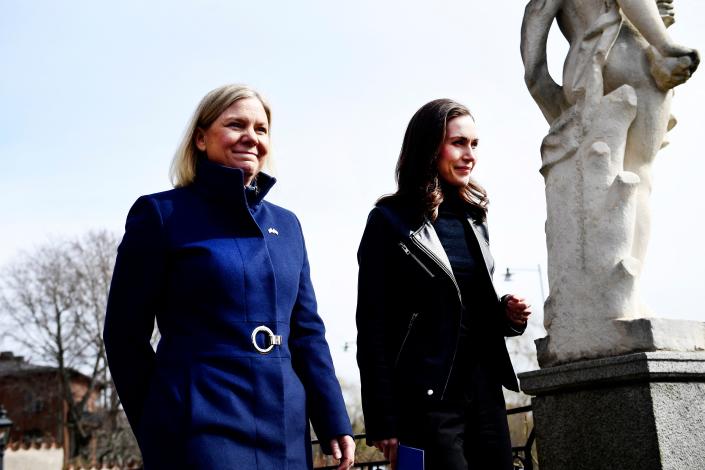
(417, 177)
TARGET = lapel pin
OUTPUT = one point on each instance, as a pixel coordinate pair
(272, 230)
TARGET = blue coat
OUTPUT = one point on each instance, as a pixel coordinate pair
(213, 261)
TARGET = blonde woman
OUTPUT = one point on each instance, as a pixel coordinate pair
(242, 364)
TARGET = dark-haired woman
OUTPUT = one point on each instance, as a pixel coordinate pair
(431, 328)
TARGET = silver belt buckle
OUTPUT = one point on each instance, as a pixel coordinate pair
(274, 340)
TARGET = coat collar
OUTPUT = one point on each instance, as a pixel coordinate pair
(228, 184)
(427, 237)
(424, 234)
(484, 247)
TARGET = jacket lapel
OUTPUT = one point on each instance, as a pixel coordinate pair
(427, 237)
(484, 247)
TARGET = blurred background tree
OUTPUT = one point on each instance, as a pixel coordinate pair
(52, 308)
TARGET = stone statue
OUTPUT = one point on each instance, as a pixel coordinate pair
(608, 120)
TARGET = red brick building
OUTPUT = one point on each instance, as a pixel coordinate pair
(32, 396)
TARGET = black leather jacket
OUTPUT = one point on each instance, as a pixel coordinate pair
(409, 315)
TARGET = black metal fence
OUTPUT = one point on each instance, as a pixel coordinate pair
(522, 454)
(523, 459)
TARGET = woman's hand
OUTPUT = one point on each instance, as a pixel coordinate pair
(343, 449)
(389, 448)
(517, 310)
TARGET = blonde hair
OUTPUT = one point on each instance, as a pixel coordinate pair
(183, 166)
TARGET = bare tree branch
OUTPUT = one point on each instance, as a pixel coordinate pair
(52, 302)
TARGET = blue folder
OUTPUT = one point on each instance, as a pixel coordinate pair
(409, 458)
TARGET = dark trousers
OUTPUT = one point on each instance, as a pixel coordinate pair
(468, 431)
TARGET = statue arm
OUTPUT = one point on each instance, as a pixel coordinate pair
(538, 17)
(671, 64)
(645, 17)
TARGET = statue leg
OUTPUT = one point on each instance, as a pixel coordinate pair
(628, 64)
(645, 138)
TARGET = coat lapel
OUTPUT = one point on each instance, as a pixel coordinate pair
(484, 247)
(427, 237)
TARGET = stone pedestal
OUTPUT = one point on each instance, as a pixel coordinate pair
(641, 411)
(592, 340)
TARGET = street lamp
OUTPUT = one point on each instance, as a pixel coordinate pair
(5, 426)
(510, 272)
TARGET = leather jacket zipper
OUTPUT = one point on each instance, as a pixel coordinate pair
(406, 336)
(435, 259)
(415, 258)
(460, 299)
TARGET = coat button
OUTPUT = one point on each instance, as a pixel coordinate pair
(429, 392)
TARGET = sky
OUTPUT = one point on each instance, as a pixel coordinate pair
(95, 96)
